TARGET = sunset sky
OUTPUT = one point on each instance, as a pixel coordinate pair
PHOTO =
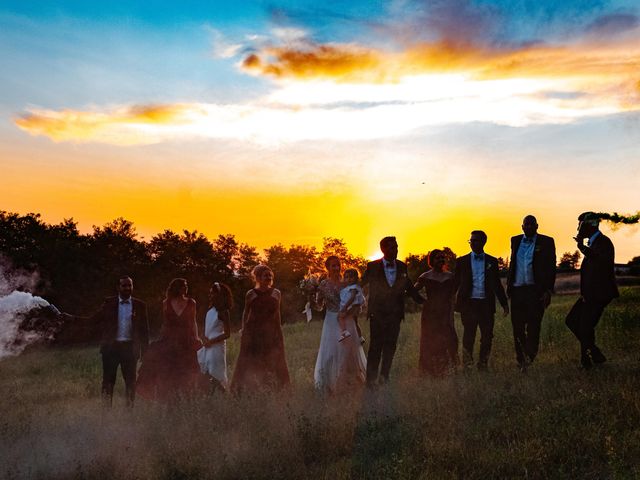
(284, 122)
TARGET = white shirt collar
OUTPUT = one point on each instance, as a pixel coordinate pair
(593, 237)
(389, 263)
(480, 255)
(127, 300)
(533, 239)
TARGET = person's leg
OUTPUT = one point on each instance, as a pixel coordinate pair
(533, 326)
(110, 363)
(389, 345)
(470, 325)
(518, 321)
(128, 365)
(572, 320)
(375, 351)
(591, 313)
(485, 322)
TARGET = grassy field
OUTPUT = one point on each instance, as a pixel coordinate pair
(555, 422)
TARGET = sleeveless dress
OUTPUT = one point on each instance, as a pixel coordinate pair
(340, 366)
(261, 362)
(438, 338)
(213, 359)
(170, 366)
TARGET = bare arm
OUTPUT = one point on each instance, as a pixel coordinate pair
(353, 292)
(226, 323)
(276, 293)
(248, 299)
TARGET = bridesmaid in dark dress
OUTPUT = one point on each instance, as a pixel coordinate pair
(438, 339)
(170, 367)
(261, 363)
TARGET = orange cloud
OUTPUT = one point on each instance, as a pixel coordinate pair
(68, 125)
(325, 61)
(355, 64)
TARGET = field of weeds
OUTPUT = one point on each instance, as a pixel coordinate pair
(554, 422)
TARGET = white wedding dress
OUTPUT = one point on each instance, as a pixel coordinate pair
(340, 365)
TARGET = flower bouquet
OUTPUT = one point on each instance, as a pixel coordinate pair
(309, 286)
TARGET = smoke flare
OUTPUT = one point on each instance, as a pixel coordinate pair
(617, 218)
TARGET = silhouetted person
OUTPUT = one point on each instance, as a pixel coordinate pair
(532, 275)
(124, 337)
(388, 284)
(477, 282)
(597, 287)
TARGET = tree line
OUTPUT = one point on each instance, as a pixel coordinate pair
(76, 271)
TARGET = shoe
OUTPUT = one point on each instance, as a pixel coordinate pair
(345, 334)
(597, 356)
(585, 362)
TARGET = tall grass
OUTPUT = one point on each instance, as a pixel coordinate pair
(554, 422)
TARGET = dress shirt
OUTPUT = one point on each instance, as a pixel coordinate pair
(592, 238)
(524, 262)
(477, 275)
(125, 312)
(390, 271)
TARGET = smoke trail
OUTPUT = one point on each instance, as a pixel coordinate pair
(617, 218)
(24, 318)
(17, 324)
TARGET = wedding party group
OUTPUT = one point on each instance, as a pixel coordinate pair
(176, 363)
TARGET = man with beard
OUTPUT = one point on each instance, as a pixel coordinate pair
(388, 284)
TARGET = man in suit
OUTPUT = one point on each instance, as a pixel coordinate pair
(478, 284)
(597, 287)
(124, 337)
(532, 276)
(388, 284)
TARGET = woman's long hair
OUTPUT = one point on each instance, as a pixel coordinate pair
(224, 299)
(173, 290)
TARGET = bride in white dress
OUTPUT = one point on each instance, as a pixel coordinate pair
(212, 357)
(340, 366)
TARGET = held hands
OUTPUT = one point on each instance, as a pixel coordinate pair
(505, 310)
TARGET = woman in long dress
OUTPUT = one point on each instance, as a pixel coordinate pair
(340, 366)
(438, 338)
(170, 367)
(261, 363)
(212, 357)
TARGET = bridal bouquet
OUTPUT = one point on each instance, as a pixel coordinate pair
(309, 285)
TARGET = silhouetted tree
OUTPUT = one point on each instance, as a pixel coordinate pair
(337, 246)
(569, 261)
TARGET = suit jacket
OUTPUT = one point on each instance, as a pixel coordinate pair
(107, 321)
(387, 302)
(544, 263)
(597, 274)
(463, 280)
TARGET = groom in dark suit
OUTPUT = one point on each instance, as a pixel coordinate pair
(532, 276)
(597, 287)
(124, 336)
(388, 284)
(478, 284)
